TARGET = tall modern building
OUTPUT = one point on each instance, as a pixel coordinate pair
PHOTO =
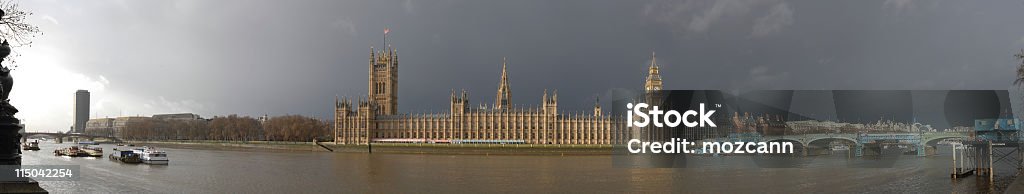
(81, 110)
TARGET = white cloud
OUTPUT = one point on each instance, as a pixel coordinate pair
(44, 90)
(104, 80)
(778, 17)
(50, 19)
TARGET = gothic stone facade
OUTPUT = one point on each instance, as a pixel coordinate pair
(375, 118)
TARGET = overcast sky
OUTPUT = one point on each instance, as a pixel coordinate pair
(255, 57)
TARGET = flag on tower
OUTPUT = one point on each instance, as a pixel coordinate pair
(386, 30)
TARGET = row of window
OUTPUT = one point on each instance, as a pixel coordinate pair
(380, 88)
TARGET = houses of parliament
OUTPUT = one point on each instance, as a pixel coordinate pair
(375, 118)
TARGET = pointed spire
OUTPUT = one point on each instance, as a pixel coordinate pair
(554, 96)
(372, 55)
(545, 98)
(504, 96)
(654, 60)
(653, 75)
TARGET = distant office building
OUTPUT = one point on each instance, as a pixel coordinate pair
(177, 116)
(121, 123)
(81, 110)
(101, 126)
(158, 121)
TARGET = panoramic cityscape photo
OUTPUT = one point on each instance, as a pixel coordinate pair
(651, 96)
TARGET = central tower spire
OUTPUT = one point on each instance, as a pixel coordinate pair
(653, 76)
(383, 79)
(504, 98)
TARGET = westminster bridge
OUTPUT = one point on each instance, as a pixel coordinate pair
(921, 141)
(59, 137)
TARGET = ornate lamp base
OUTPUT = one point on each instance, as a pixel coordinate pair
(10, 152)
(10, 136)
(29, 186)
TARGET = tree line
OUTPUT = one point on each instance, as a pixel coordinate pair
(228, 128)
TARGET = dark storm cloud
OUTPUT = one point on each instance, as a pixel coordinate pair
(292, 57)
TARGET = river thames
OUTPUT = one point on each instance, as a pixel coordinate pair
(267, 171)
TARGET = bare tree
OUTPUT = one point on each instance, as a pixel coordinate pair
(14, 28)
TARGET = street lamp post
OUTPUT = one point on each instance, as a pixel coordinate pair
(10, 127)
(10, 138)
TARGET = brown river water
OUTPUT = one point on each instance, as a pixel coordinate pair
(264, 171)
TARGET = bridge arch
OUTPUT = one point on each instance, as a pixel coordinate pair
(50, 135)
(847, 139)
(797, 141)
(934, 141)
(25, 136)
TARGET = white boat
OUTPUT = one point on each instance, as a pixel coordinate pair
(151, 156)
(33, 145)
(94, 151)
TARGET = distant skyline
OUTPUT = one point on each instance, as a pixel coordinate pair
(258, 57)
